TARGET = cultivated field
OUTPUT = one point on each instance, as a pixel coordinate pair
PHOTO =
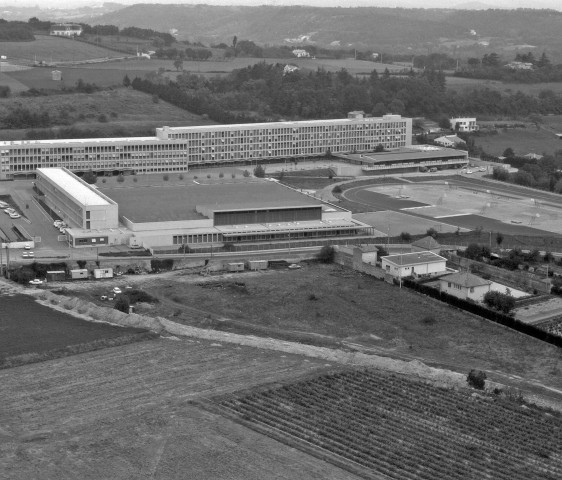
(407, 430)
(30, 328)
(124, 413)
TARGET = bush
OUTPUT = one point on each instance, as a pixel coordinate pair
(337, 189)
(81, 263)
(165, 177)
(406, 236)
(120, 178)
(476, 379)
(90, 177)
(246, 173)
(259, 172)
(156, 265)
(221, 175)
(431, 232)
(102, 118)
(122, 304)
(326, 254)
(499, 301)
(136, 296)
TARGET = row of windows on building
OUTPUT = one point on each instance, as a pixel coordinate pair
(362, 127)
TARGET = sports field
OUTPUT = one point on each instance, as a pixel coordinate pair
(444, 201)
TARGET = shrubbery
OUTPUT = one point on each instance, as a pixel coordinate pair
(477, 379)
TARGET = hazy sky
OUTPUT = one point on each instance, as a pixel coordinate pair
(554, 4)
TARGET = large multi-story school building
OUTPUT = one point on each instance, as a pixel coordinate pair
(174, 149)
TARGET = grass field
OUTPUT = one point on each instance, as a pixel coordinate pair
(123, 413)
(122, 107)
(521, 140)
(52, 49)
(335, 305)
(404, 429)
(30, 328)
(459, 83)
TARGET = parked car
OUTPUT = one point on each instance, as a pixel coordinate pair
(469, 171)
(116, 290)
(36, 281)
(15, 215)
(25, 254)
(30, 254)
(57, 223)
(27, 247)
(294, 266)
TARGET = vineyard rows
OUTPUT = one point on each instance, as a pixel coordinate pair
(410, 430)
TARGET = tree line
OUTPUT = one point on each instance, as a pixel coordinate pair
(263, 92)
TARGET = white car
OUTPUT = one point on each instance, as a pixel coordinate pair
(469, 171)
(15, 215)
(116, 290)
(25, 254)
(30, 254)
(57, 223)
(27, 247)
(36, 282)
(482, 169)
(294, 266)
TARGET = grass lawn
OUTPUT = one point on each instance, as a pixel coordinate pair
(28, 327)
(129, 109)
(339, 304)
(521, 140)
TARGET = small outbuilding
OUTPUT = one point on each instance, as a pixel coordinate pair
(79, 274)
(414, 264)
(235, 267)
(465, 285)
(256, 264)
(103, 273)
(55, 275)
(426, 244)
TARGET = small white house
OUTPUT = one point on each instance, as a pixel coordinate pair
(301, 53)
(464, 124)
(414, 264)
(465, 285)
(450, 141)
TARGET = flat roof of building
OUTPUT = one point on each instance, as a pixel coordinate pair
(405, 154)
(142, 204)
(415, 258)
(296, 123)
(73, 186)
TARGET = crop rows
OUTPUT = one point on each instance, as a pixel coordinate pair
(411, 430)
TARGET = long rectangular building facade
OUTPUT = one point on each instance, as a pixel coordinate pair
(173, 149)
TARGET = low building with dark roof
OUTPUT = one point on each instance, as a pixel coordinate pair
(414, 264)
(465, 285)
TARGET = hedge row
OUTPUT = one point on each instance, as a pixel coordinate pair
(484, 312)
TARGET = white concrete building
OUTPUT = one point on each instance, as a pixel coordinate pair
(465, 285)
(78, 204)
(173, 149)
(464, 124)
(414, 264)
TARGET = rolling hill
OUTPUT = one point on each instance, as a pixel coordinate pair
(408, 29)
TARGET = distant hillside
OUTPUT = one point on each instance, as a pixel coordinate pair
(411, 29)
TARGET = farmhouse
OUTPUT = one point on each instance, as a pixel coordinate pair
(192, 216)
(66, 29)
(173, 149)
(465, 285)
(414, 264)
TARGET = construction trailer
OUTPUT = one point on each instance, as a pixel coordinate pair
(79, 274)
(235, 267)
(103, 273)
(257, 264)
(55, 275)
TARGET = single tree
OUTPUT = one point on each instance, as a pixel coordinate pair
(476, 379)
(120, 178)
(178, 64)
(259, 172)
(90, 177)
(126, 81)
(499, 239)
(122, 304)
